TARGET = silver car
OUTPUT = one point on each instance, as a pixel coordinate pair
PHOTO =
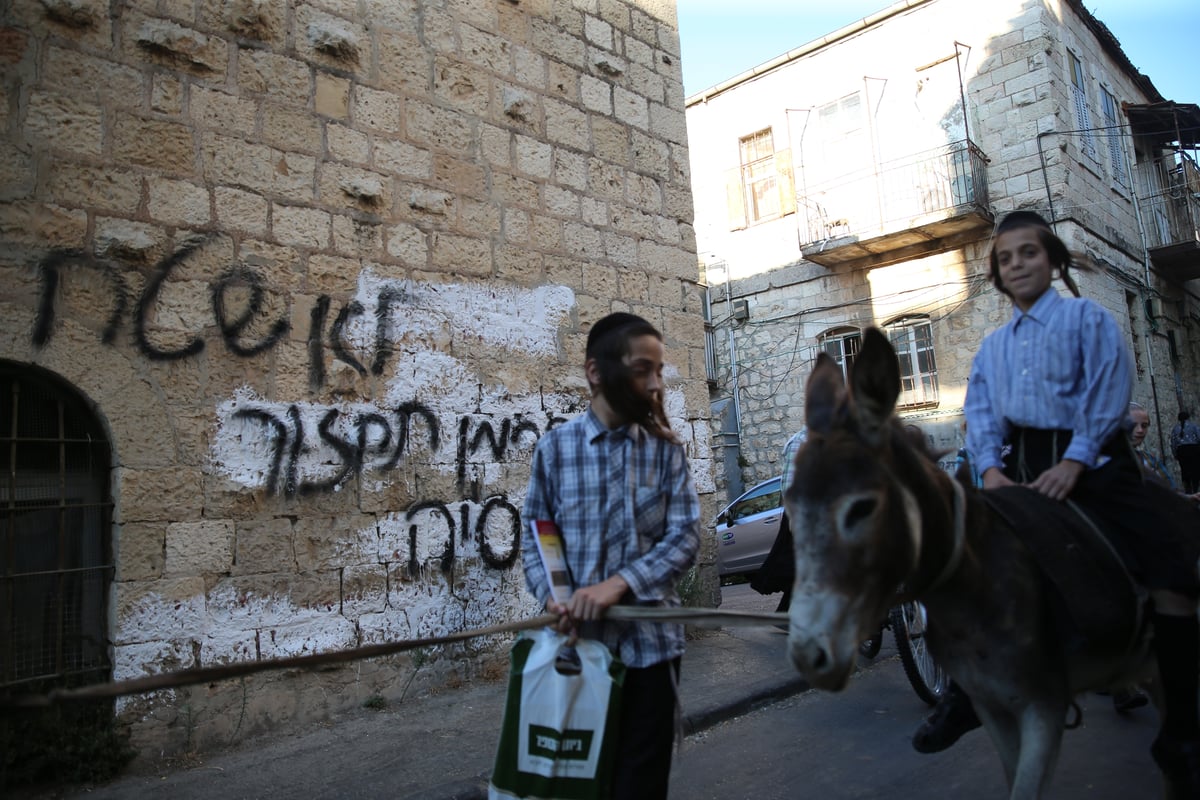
(746, 529)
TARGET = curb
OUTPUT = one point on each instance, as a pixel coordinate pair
(476, 788)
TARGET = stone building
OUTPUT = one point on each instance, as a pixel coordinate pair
(856, 180)
(288, 291)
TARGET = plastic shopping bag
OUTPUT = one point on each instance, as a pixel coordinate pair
(557, 739)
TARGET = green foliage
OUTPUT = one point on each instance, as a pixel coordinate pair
(375, 702)
(690, 588)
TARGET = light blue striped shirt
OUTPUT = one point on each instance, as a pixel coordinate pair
(1062, 364)
(625, 504)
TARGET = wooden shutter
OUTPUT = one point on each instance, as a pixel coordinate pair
(735, 199)
(787, 182)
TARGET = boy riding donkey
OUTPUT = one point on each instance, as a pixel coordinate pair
(1054, 383)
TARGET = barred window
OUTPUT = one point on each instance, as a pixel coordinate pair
(55, 520)
(843, 345)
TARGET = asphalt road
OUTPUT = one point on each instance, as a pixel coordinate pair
(856, 745)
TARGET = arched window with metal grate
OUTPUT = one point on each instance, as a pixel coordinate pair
(55, 534)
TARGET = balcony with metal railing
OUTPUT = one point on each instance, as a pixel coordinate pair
(910, 207)
(1169, 199)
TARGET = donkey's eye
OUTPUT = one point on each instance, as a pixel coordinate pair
(858, 511)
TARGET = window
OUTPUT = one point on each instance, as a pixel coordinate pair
(55, 518)
(912, 337)
(843, 345)
(766, 497)
(1083, 119)
(759, 181)
(840, 126)
(1116, 154)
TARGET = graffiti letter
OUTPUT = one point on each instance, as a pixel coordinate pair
(404, 412)
(291, 485)
(316, 347)
(364, 424)
(280, 433)
(49, 273)
(344, 449)
(231, 329)
(447, 557)
(383, 327)
(149, 296)
(353, 308)
(485, 548)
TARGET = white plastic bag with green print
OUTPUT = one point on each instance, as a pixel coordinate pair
(553, 742)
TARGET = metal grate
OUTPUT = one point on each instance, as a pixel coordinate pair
(55, 522)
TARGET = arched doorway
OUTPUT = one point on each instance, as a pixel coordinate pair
(56, 563)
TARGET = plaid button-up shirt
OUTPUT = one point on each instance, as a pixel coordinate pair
(625, 504)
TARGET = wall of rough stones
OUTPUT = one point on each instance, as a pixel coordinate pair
(325, 270)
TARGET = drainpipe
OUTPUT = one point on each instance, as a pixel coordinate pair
(733, 364)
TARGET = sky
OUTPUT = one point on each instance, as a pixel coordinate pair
(722, 38)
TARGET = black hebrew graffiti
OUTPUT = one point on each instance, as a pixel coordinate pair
(434, 520)
(233, 323)
(347, 444)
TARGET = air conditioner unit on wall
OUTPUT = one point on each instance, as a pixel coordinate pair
(1154, 308)
(741, 310)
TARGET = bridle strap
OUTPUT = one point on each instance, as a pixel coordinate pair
(956, 550)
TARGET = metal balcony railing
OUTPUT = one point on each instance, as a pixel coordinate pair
(1169, 196)
(897, 195)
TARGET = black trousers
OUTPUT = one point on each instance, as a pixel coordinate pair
(1188, 456)
(778, 571)
(1155, 531)
(647, 732)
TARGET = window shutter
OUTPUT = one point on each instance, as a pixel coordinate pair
(1083, 120)
(787, 182)
(735, 199)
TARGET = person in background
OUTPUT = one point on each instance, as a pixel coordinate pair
(1153, 466)
(615, 480)
(1131, 697)
(1055, 383)
(1185, 446)
(778, 571)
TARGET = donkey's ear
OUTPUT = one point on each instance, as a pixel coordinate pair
(824, 394)
(874, 382)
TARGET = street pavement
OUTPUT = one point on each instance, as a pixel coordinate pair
(441, 746)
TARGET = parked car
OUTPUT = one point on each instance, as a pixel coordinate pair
(746, 529)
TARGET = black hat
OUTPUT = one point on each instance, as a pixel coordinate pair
(613, 323)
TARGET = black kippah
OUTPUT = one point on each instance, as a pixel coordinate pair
(612, 323)
(1022, 219)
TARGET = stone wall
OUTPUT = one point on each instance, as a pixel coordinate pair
(325, 270)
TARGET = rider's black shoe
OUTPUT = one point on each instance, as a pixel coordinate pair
(1125, 700)
(1180, 764)
(951, 718)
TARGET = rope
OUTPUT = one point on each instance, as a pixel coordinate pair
(698, 617)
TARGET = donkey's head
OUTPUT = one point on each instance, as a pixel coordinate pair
(856, 527)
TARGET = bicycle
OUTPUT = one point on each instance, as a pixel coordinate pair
(907, 622)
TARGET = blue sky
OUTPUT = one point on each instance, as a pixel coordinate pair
(721, 38)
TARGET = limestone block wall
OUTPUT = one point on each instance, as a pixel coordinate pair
(326, 269)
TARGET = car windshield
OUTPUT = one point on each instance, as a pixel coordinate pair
(757, 500)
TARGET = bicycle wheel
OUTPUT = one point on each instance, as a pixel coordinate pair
(928, 680)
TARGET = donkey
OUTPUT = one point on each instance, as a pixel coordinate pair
(872, 515)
